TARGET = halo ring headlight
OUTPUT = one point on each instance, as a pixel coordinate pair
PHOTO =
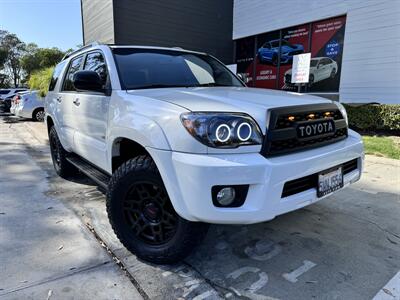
(239, 134)
(217, 133)
(220, 129)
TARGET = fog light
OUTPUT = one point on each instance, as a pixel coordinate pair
(226, 196)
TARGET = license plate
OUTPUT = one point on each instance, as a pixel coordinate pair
(329, 181)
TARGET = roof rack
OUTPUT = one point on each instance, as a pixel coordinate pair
(80, 49)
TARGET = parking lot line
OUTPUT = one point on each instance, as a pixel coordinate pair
(391, 291)
(292, 276)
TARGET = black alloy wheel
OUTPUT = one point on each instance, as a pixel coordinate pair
(149, 213)
(143, 217)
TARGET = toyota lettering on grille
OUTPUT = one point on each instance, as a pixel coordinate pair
(315, 128)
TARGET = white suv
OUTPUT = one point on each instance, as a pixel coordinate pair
(178, 141)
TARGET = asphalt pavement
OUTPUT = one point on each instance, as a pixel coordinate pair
(346, 246)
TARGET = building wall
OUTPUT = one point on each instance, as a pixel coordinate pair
(371, 54)
(191, 24)
(97, 21)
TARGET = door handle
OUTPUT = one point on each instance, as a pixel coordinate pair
(59, 99)
(77, 102)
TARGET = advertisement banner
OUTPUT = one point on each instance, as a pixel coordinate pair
(267, 62)
(327, 51)
(245, 58)
(272, 58)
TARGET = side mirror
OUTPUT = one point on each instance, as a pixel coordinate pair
(87, 81)
(243, 77)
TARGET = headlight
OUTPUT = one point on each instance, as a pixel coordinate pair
(343, 111)
(222, 130)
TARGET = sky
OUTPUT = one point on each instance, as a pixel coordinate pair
(47, 23)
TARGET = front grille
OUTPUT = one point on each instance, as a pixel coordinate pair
(308, 182)
(282, 136)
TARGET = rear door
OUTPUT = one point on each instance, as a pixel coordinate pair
(91, 112)
(65, 99)
(52, 105)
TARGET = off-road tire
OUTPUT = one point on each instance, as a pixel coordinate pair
(134, 173)
(58, 155)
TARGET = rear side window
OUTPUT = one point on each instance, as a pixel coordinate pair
(3, 92)
(95, 62)
(74, 67)
(56, 75)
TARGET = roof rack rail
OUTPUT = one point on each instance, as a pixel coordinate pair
(80, 49)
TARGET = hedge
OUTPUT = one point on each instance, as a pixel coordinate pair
(40, 80)
(374, 117)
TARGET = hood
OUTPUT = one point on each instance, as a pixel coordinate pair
(253, 101)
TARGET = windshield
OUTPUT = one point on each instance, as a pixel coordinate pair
(313, 62)
(274, 44)
(154, 68)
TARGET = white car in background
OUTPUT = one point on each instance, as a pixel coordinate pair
(321, 68)
(28, 105)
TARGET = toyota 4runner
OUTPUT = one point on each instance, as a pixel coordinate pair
(178, 141)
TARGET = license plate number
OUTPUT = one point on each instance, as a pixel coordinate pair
(329, 181)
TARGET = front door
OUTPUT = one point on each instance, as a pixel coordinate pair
(90, 110)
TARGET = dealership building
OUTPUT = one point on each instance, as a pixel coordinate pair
(354, 44)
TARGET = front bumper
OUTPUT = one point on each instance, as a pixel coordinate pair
(190, 177)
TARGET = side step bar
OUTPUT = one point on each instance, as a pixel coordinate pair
(89, 170)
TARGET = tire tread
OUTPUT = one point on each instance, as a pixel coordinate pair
(192, 232)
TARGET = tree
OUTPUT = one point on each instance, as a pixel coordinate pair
(40, 58)
(3, 57)
(13, 48)
(40, 80)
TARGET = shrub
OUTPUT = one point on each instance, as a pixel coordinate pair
(40, 80)
(374, 117)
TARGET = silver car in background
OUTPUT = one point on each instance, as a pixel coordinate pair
(15, 101)
(28, 105)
